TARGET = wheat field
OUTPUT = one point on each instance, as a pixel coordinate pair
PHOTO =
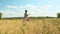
(34, 26)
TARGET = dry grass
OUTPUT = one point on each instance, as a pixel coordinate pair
(34, 26)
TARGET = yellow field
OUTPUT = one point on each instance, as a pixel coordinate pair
(34, 26)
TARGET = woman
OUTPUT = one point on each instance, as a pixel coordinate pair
(26, 18)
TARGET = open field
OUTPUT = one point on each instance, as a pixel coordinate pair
(34, 26)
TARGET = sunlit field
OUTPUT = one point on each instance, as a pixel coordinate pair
(34, 26)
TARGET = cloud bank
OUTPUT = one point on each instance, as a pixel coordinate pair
(33, 10)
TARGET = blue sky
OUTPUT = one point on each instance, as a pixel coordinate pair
(15, 8)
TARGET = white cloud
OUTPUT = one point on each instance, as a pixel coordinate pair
(33, 10)
(38, 10)
(1, 11)
(8, 6)
(46, 7)
(11, 14)
(30, 7)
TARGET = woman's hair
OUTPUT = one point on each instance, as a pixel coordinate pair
(25, 10)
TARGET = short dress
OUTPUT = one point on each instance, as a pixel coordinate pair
(26, 17)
